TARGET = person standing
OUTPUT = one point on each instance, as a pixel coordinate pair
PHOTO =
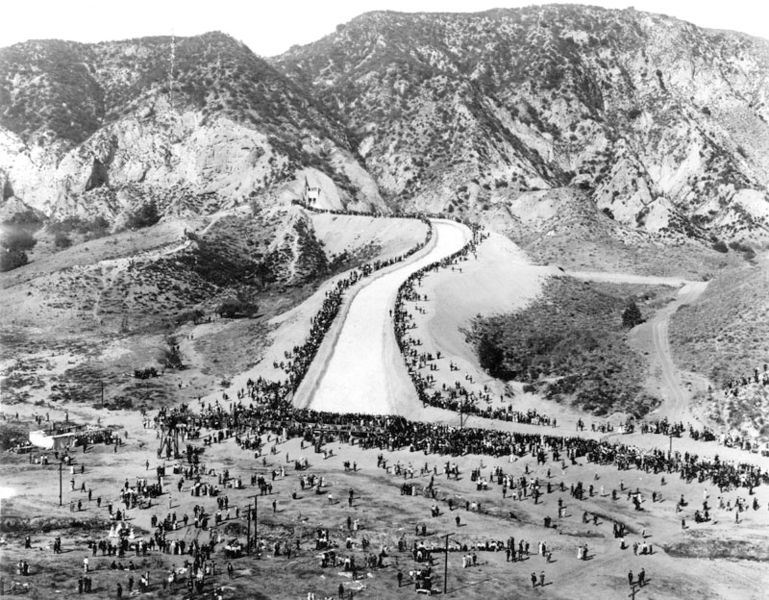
(533, 579)
(630, 577)
(642, 578)
(542, 579)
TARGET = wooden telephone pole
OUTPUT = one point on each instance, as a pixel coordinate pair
(446, 563)
(256, 526)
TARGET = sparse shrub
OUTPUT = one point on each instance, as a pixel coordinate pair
(17, 239)
(11, 259)
(720, 246)
(91, 229)
(232, 309)
(61, 240)
(172, 357)
(146, 216)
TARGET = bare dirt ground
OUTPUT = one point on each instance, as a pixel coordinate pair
(720, 559)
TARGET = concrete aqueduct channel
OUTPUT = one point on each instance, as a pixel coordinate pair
(358, 367)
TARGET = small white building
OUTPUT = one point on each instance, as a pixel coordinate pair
(311, 193)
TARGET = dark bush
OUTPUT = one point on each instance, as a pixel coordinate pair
(96, 227)
(232, 309)
(17, 239)
(146, 216)
(631, 316)
(61, 240)
(10, 259)
(720, 246)
(744, 248)
(172, 357)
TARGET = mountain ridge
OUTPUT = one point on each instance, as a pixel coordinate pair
(568, 95)
(99, 129)
(659, 123)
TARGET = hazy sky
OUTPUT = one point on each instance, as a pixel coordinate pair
(270, 28)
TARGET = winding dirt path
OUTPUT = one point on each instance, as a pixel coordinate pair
(358, 367)
(676, 396)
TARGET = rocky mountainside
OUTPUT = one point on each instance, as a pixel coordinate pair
(194, 124)
(662, 124)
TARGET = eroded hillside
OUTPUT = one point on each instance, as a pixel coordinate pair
(663, 124)
(193, 124)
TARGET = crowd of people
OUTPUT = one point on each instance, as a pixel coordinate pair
(264, 414)
(733, 386)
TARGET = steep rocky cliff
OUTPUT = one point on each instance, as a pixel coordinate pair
(663, 124)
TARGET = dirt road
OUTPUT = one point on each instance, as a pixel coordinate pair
(676, 395)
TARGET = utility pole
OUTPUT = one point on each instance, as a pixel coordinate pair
(463, 416)
(102, 392)
(446, 563)
(255, 541)
(60, 467)
(248, 528)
